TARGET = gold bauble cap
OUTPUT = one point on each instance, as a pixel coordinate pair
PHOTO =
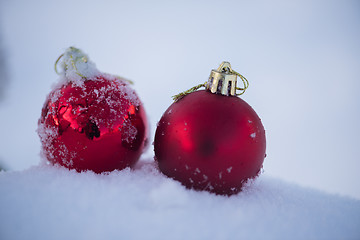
(222, 80)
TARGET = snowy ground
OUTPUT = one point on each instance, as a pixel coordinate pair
(47, 202)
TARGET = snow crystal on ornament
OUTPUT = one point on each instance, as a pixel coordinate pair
(47, 135)
(253, 135)
(131, 132)
(76, 66)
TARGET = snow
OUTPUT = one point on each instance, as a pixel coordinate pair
(76, 66)
(130, 132)
(51, 202)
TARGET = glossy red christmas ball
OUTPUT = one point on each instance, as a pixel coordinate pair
(95, 123)
(210, 142)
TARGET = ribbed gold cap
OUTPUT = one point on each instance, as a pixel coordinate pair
(222, 80)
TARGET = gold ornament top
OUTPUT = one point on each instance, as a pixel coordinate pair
(221, 81)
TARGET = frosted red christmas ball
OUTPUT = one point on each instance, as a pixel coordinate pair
(210, 142)
(93, 123)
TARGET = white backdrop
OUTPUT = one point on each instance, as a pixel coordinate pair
(302, 60)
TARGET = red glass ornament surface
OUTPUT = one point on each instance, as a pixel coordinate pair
(99, 125)
(210, 142)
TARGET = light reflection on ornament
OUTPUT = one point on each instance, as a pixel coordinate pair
(100, 126)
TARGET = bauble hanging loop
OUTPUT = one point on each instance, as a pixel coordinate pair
(222, 81)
